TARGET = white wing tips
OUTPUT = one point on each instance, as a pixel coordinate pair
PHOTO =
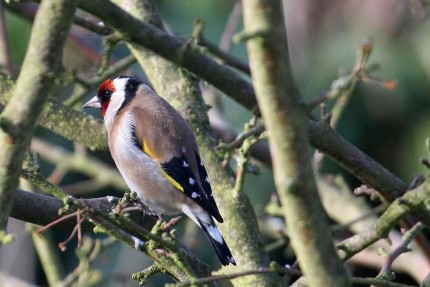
(207, 224)
(215, 233)
(218, 242)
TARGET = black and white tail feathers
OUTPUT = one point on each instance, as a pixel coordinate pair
(218, 242)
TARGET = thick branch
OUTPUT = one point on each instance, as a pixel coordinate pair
(69, 123)
(41, 65)
(326, 140)
(286, 125)
(175, 50)
(43, 209)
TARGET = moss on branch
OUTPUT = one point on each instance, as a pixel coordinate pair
(41, 65)
(67, 122)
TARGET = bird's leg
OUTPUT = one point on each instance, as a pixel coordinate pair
(156, 214)
(160, 216)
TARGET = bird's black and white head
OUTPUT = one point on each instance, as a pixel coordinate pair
(114, 95)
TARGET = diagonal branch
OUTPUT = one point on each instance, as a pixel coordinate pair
(80, 127)
(175, 50)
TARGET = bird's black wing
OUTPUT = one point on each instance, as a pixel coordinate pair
(179, 173)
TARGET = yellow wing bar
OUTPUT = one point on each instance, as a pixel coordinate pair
(172, 180)
(169, 178)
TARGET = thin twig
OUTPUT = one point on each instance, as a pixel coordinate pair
(78, 224)
(99, 247)
(46, 227)
(88, 85)
(62, 245)
(386, 271)
(217, 278)
(393, 214)
(374, 211)
(238, 141)
(224, 57)
(231, 27)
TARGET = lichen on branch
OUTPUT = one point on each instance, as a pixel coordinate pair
(41, 65)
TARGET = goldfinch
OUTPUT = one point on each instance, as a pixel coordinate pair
(156, 153)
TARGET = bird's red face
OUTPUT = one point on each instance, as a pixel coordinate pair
(113, 95)
(104, 94)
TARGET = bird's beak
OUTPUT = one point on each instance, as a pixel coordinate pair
(93, 103)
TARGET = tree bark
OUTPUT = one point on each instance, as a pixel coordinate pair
(41, 66)
(286, 124)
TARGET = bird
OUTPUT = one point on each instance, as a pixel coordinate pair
(155, 150)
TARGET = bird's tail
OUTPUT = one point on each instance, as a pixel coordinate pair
(218, 242)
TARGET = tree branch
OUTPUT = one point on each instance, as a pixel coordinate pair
(43, 209)
(286, 125)
(41, 65)
(91, 166)
(80, 127)
(175, 50)
(410, 201)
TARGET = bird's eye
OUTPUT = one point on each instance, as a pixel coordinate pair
(106, 94)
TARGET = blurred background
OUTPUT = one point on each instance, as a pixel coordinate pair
(391, 126)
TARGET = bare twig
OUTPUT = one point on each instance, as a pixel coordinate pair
(87, 85)
(103, 174)
(257, 129)
(217, 278)
(395, 212)
(251, 135)
(386, 272)
(76, 230)
(98, 247)
(224, 57)
(234, 20)
(55, 222)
